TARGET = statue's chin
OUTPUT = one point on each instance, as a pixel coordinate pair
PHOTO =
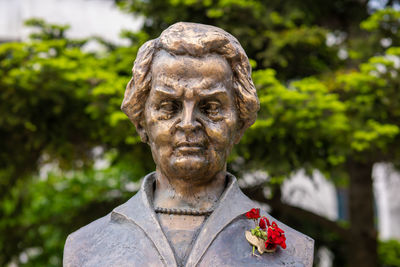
(190, 167)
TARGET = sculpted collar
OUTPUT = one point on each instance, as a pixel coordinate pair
(139, 211)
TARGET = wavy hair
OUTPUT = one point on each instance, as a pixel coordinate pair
(196, 40)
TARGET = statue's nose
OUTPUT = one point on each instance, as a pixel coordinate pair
(188, 120)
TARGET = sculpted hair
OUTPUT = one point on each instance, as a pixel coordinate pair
(195, 40)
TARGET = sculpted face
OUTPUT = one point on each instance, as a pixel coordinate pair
(190, 116)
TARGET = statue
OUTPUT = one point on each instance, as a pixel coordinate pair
(191, 98)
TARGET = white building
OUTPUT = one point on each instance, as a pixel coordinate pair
(321, 197)
(86, 18)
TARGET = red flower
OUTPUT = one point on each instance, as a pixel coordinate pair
(276, 237)
(253, 214)
(264, 222)
(270, 246)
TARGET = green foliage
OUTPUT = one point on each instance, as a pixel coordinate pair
(258, 232)
(383, 31)
(46, 31)
(386, 20)
(58, 203)
(302, 115)
(389, 253)
(314, 123)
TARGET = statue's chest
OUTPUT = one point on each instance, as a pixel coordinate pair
(181, 232)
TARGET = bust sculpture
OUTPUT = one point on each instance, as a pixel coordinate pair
(191, 98)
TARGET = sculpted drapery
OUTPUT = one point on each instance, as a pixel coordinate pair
(132, 236)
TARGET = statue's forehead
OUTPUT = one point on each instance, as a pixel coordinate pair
(186, 66)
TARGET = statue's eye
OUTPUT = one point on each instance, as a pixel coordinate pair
(211, 108)
(169, 106)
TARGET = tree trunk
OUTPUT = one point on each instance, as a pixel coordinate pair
(363, 234)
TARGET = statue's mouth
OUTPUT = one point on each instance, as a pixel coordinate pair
(190, 144)
(189, 147)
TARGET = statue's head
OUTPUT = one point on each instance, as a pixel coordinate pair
(191, 98)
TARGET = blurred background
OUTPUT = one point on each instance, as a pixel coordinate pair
(323, 156)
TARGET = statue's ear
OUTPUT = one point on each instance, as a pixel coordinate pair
(141, 130)
(239, 132)
(129, 107)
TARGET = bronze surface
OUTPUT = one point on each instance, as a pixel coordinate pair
(191, 98)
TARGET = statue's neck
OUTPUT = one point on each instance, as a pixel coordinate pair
(181, 194)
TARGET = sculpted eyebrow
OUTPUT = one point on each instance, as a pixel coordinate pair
(165, 90)
(213, 92)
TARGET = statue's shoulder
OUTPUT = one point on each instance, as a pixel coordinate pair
(92, 239)
(80, 241)
(230, 247)
(300, 247)
(299, 244)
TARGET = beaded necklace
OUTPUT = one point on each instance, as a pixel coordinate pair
(183, 211)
